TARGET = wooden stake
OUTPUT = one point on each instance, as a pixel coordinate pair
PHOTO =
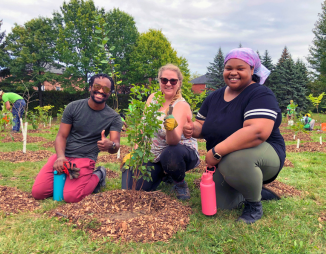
(294, 136)
(320, 140)
(24, 131)
(298, 143)
(118, 154)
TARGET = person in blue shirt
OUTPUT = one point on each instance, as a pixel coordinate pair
(240, 123)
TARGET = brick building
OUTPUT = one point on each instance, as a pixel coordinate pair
(199, 84)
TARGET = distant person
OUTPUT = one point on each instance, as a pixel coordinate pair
(240, 123)
(82, 135)
(17, 103)
(290, 111)
(309, 123)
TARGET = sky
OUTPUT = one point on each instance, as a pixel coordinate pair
(197, 28)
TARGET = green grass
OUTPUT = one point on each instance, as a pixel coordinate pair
(288, 226)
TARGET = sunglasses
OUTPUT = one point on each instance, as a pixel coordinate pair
(173, 81)
(98, 87)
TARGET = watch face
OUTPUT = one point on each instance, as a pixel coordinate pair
(113, 145)
(217, 156)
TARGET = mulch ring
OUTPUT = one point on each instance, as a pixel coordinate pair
(155, 216)
(13, 200)
(201, 168)
(111, 173)
(279, 188)
(18, 137)
(38, 131)
(307, 147)
(301, 135)
(19, 156)
(49, 144)
(112, 158)
(288, 163)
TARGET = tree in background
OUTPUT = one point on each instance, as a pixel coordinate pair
(194, 75)
(288, 82)
(4, 72)
(123, 36)
(152, 51)
(31, 54)
(215, 72)
(266, 60)
(317, 50)
(76, 45)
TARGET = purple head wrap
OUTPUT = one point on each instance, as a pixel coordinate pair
(250, 57)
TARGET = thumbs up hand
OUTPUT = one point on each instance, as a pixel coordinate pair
(188, 128)
(104, 144)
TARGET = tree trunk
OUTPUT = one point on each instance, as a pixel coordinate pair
(40, 94)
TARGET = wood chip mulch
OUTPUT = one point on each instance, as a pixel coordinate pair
(200, 169)
(37, 131)
(202, 152)
(18, 137)
(112, 158)
(307, 147)
(288, 163)
(111, 173)
(155, 217)
(301, 135)
(279, 188)
(49, 144)
(19, 156)
(13, 200)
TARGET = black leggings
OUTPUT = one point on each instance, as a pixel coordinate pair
(174, 161)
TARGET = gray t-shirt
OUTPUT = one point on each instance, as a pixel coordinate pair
(87, 125)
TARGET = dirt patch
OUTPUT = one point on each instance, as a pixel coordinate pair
(111, 174)
(49, 144)
(13, 200)
(112, 158)
(18, 137)
(286, 131)
(156, 217)
(301, 135)
(307, 147)
(19, 156)
(202, 152)
(200, 169)
(322, 217)
(38, 131)
(281, 189)
(288, 163)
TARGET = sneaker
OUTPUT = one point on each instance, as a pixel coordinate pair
(268, 194)
(167, 179)
(181, 190)
(101, 173)
(252, 212)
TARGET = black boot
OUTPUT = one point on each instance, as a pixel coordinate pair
(101, 173)
(252, 212)
(268, 194)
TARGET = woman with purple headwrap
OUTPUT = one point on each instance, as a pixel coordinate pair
(240, 123)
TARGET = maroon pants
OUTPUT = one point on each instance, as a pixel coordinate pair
(75, 189)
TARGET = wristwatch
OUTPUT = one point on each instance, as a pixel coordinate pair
(216, 155)
(113, 145)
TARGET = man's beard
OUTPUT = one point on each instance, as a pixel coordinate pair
(105, 97)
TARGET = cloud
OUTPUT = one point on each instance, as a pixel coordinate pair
(196, 29)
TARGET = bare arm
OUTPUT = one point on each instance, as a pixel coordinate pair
(253, 133)
(193, 129)
(7, 105)
(180, 112)
(114, 137)
(60, 146)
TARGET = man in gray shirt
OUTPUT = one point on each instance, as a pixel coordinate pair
(82, 135)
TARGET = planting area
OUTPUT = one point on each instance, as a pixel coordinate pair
(158, 222)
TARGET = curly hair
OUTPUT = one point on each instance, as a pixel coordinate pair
(101, 75)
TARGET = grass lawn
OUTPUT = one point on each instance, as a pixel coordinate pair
(291, 225)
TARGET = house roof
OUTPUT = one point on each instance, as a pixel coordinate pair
(200, 80)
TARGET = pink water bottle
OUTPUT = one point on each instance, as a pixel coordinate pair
(207, 193)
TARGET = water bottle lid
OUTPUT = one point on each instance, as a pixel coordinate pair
(55, 172)
(207, 178)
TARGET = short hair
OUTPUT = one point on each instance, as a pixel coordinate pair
(255, 78)
(101, 75)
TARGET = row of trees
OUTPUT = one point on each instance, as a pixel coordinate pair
(288, 79)
(78, 40)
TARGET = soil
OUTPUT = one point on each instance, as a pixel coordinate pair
(112, 158)
(279, 188)
(37, 131)
(322, 217)
(202, 152)
(288, 163)
(155, 217)
(307, 147)
(301, 135)
(18, 137)
(49, 144)
(13, 200)
(19, 156)
(111, 174)
(200, 169)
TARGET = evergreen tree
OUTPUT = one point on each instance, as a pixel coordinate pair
(266, 60)
(240, 45)
(258, 54)
(215, 72)
(317, 57)
(288, 82)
